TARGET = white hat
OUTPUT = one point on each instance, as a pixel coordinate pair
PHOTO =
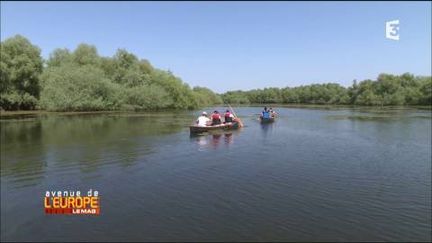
(204, 113)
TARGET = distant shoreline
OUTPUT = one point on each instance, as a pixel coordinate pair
(423, 107)
(44, 112)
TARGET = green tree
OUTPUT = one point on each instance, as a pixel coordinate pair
(425, 90)
(148, 97)
(86, 54)
(205, 97)
(59, 57)
(20, 68)
(71, 87)
(83, 80)
(405, 89)
(235, 97)
(180, 92)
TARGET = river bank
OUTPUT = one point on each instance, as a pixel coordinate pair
(314, 106)
(4, 113)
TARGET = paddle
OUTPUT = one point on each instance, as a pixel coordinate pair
(232, 110)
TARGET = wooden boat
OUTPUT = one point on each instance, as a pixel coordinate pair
(228, 126)
(267, 120)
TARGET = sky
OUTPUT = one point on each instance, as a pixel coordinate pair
(238, 45)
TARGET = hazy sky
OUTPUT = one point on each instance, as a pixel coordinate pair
(238, 45)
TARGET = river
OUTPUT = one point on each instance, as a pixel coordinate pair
(333, 174)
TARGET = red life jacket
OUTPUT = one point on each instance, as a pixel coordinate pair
(227, 114)
(216, 117)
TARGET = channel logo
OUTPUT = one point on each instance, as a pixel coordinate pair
(392, 29)
(72, 202)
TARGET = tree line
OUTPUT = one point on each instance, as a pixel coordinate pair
(82, 80)
(405, 89)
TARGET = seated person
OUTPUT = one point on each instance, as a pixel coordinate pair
(216, 118)
(203, 120)
(272, 112)
(228, 116)
(265, 114)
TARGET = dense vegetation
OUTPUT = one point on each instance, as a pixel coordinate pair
(20, 68)
(81, 80)
(84, 81)
(405, 89)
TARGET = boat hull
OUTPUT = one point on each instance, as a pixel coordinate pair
(228, 126)
(267, 120)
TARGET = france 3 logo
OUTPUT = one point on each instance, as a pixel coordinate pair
(392, 29)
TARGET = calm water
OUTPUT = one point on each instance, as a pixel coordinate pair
(315, 174)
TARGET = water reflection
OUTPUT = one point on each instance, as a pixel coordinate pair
(216, 140)
(228, 138)
(30, 149)
(266, 128)
(23, 139)
(213, 140)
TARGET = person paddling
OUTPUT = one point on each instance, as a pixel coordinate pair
(228, 116)
(216, 118)
(272, 112)
(265, 113)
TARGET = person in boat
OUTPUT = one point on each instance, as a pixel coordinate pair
(272, 112)
(216, 118)
(203, 120)
(265, 113)
(228, 116)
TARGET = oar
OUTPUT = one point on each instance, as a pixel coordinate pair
(232, 110)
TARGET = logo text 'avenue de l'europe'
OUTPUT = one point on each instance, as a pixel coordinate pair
(72, 202)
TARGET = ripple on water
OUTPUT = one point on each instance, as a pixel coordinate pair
(312, 175)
